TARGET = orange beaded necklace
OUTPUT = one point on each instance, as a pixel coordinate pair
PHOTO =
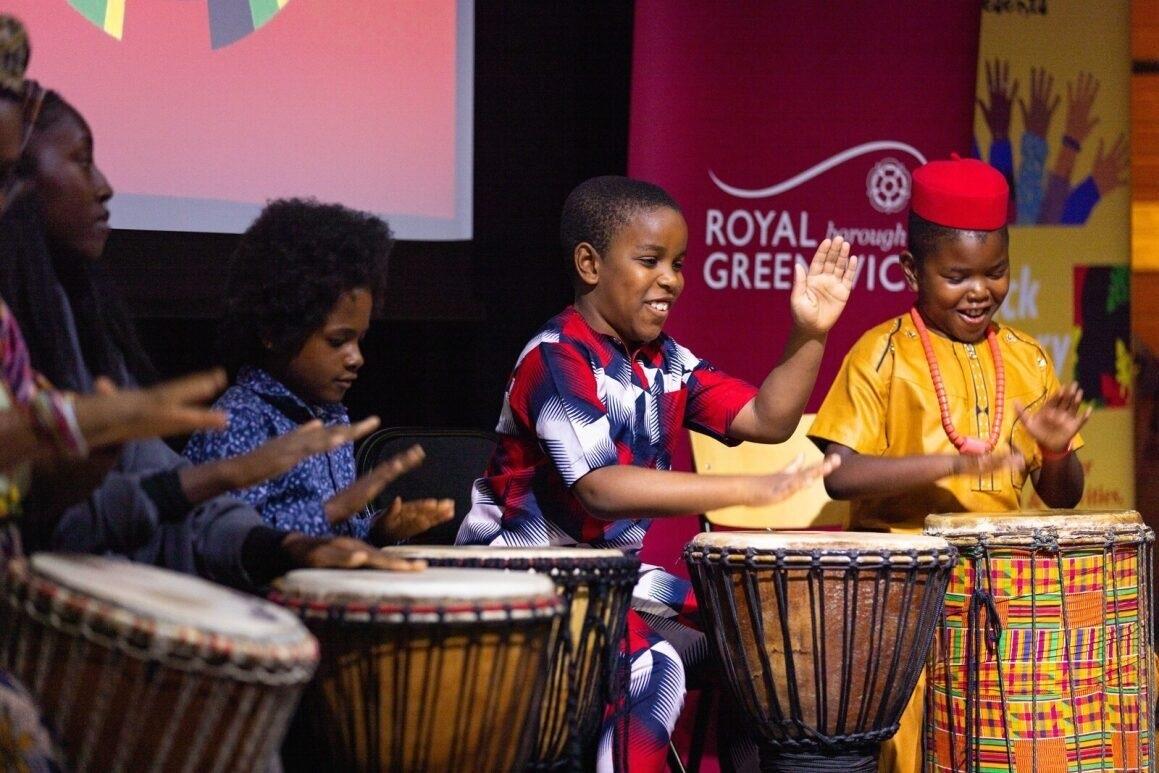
(965, 445)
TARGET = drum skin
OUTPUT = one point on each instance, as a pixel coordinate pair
(129, 680)
(441, 670)
(821, 635)
(595, 586)
(1044, 659)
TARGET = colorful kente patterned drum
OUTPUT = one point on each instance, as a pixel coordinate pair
(595, 587)
(821, 635)
(1043, 660)
(138, 668)
(431, 671)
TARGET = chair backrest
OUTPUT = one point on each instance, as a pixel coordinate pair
(808, 508)
(455, 458)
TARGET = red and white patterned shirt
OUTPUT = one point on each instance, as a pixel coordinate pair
(576, 402)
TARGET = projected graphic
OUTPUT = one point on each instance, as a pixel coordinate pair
(203, 110)
(229, 20)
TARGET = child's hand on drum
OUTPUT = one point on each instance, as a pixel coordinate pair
(304, 552)
(1059, 419)
(352, 499)
(795, 476)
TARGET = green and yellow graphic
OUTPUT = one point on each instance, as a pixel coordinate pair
(229, 20)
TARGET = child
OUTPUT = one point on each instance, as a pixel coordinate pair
(593, 409)
(302, 285)
(942, 409)
(153, 506)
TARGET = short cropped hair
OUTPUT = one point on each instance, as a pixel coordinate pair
(925, 238)
(598, 208)
(289, 270)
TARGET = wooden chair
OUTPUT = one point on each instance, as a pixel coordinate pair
(810, 508)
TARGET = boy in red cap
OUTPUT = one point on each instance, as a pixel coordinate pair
(943, 409)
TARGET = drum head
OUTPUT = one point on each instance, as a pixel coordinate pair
(808, 541)
(1062, 522)
(480, 552)
(429, 587)
(171, 602)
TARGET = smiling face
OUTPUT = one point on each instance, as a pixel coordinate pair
(328, 363)
(961, 284)
(73, 192)
(629, 289)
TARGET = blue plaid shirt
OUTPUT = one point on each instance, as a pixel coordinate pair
(261, 408)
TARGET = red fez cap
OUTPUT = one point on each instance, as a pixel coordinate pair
(961, 193)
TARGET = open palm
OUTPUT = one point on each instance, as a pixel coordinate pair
(819, 295)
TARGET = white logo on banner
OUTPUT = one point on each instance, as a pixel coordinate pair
(821, 168)
(755, 249)
(888, 186)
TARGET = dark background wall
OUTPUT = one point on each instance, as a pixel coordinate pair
(551, 109)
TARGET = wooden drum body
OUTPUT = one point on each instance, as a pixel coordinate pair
(1044, 658)
(595, 587)
(432, 671)
(138, 668)
(821, 635)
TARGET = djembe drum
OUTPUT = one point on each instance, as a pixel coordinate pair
(596, 589)
(1043, 659)
(439, 670)
(820, 635)
(139, 668)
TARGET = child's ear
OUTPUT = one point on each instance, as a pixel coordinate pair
(910, 266)
(587, 263)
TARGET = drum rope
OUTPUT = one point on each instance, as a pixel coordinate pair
(994, 650)
(1050, 541)
(726, 579)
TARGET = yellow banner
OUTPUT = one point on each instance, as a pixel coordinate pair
(1052, 115)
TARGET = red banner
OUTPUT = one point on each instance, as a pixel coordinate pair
(775, 125)
(778, 124)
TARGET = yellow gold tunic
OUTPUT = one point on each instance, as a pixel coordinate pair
(882, 402)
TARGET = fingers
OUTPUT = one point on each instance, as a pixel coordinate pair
(795, 465)
(103, 385)
(348, 553)
(361, 492)
(831, 257)
(364, 427)
(407, 519)
(398, 465)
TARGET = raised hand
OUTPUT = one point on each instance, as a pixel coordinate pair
(1037, 117)
(819, 295)
(341, 553)
(1002, 95)
(111, 416)
(276, 456)
(779, 486)
(352, 499)
(1080, 98)
(1110, 171)
(403, 520)
(1060, 418)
